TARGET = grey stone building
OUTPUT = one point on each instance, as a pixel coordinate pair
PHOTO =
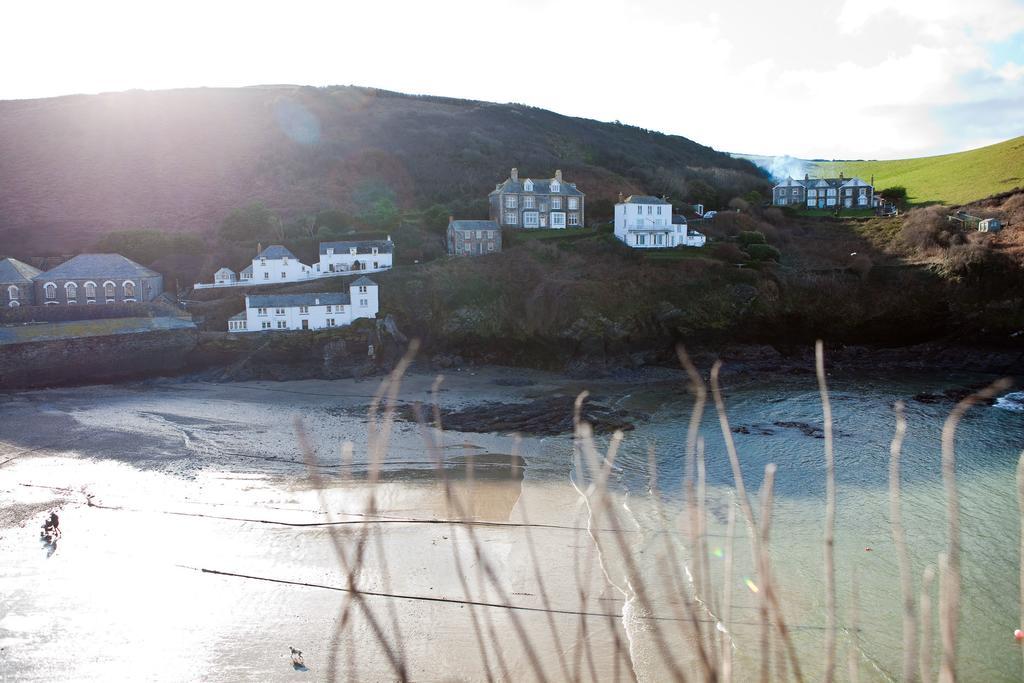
(16, 283)
(97, 278)
(543, 203)
(473, 238)
(825, 193)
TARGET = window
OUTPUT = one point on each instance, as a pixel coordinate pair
(574, 219)
(640, 210)
(640, 239)
(330, 251)
(13, 293)
(284, 260)
(374, 250)
(659, 239)
(650, 210)
(283, 275)
(849, 192)
(278, 311)
(341, 309)
(479, 234)
(330, 322)
(490, 246)
(574, 203)
(263, 260)
(529, 202)
(265, 325)
(303, 310)
(282, 325)
(556, 186)
(362, 289)
(266, 275)
(510, 201)
(510, 218)
(812, 194)
(659, 211)
(90, 290)
(261, 311)
(352, 251)
(558, 220)
(556, 202)
(531, 219)
(376, 265)
(863, 192)
(831, 192)
(51, 290)
(528, 186)
(129, 289)
(328, 308)
(71, 289)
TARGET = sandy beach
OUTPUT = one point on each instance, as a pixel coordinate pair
(196, 544)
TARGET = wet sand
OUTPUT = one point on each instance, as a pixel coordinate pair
(196, 546)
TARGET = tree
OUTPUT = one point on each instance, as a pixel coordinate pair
(763, 252)
(749, 237)
(435, 219)
(250, 224)
(897, 194)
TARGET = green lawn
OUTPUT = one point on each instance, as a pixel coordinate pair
(843, 213)
(676, 254)
(948, 179)
(553, 234)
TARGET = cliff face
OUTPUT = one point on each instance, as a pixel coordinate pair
(95, 359)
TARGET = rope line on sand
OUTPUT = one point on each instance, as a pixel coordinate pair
(451, 601)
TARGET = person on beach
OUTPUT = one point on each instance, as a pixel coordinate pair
(51, 526)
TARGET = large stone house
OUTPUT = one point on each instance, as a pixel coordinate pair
(542, 203)
(645, 222)
(97, 278)
(825, 193)
(473, 238)
(316, 311)
(16, 288)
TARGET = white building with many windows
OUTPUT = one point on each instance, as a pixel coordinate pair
(316, 311)
(276, 264)
(644, 222)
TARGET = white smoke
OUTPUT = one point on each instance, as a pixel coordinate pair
(780, 167)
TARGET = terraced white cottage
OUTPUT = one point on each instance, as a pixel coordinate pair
(315, 311)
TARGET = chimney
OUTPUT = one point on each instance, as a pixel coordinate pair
(389, 238)
(621, 198)
(259, 248)
(558, 176)
(515, 174)
(451, 219)
(807, 176)
(840, 175)
(872, 180)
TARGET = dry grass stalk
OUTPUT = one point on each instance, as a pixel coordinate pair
(767, 487)
(899, 538)
(949, 615)
(830, 518)
(744, 501)
(853, 650)
(727, 561)
(1020, 507)
(926, 651)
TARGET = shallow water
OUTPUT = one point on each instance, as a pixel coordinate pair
(989, 441)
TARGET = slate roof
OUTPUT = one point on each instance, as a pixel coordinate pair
(246, 271)
(226, 270)
(644, 199)
(473, 225)
(238, 316)
(362, 247)
(292, 300)
(13, 270)
(276, 251)
(363, 282)
(828, 182)
(678, 220)
(97, 266)
(542, 186)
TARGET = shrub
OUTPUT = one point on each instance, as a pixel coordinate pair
(923, 231)
(861, 264)
(749, 237)
(728, 252)
(763, 252)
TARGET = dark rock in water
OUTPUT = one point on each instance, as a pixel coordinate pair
(741, 429)
(542, 417)
(760, 430)
(807, 429)
(514, 382)
(925, 397)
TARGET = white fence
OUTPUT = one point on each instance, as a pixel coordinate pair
(310, 276)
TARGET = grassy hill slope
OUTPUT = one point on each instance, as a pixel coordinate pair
(74, 167)
(949, 179)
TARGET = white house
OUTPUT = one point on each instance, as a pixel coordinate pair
(344, 257)
(225, 276)
(314, 311)
(276, 264)
(644, 222)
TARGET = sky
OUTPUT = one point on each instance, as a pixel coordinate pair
(843, 79)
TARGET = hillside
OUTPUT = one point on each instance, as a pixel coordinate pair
(74, 167)
(948, 179)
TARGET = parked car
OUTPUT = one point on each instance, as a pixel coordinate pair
(710, 214)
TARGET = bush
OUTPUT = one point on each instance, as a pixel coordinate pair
(749, 237)
(861, 264)
(728, 252)
(923, 231)
(763, 252)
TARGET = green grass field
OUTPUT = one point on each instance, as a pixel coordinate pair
(948, 179)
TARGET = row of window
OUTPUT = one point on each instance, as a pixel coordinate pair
(650, 209)
(71, 290)
(532, 219)
(511, 202)
(657, 240)
(555, 186)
